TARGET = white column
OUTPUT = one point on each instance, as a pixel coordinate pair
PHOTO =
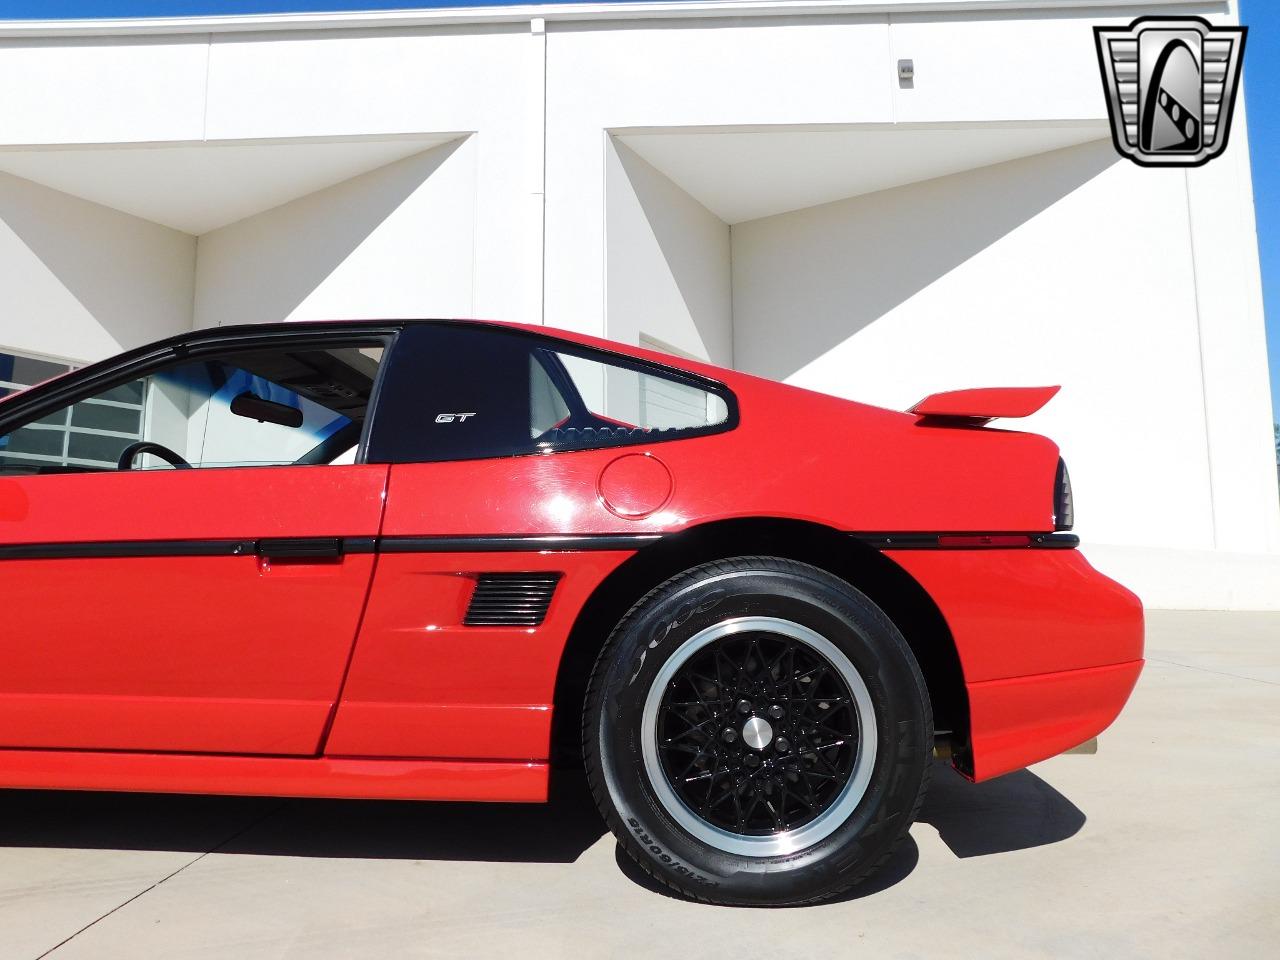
(1237, 393)
(536, 164)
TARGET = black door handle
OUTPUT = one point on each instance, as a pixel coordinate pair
(300, 548)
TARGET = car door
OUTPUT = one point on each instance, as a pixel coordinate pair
(203, 594)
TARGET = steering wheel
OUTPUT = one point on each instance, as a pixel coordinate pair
(130, 453)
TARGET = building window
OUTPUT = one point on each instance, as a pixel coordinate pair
(82, 435)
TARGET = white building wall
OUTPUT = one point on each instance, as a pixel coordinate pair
(254, 88)
(993, 65)
(792, 72)
(668, 257)
(1237, 396)
(483, 81)
(103, 90)
(80, 281)
(395, 242)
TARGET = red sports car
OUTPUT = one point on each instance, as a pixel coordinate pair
(422, 559)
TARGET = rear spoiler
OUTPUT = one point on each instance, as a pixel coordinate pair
(982, 405)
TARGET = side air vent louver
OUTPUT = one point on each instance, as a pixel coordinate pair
(511, 599)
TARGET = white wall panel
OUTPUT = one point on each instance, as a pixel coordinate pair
(483, 81)
(396, 242)
(102, 91)
(1233, 342)
(989, 67)
(1007, 65)
(82, 281)
(668, 263)
(342, 84)
(677, 74)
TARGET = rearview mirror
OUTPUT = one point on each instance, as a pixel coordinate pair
(253, 407)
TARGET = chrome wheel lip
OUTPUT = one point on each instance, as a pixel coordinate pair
(825, 823)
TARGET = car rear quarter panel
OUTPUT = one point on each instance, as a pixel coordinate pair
(1050, 648)
(795, 455)
(1014, 613)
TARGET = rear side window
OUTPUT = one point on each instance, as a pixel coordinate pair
(469, 392)
(596, 402)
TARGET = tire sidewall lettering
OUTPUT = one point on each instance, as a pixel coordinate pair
(664, 858)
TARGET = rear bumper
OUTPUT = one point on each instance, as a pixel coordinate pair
(1050, 648)
(1022, 720)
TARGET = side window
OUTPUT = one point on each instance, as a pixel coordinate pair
(609, 402)
(463, 392)
(547, 409)
(303, 405)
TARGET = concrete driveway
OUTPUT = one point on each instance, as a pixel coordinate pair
(1166, 844)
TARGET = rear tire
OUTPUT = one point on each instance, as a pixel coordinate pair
(757, 732)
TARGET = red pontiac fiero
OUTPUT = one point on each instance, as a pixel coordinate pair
(426, 560)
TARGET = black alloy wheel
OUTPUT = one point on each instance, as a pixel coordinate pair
(757, 732)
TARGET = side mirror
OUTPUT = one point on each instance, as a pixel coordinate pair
(253, 407)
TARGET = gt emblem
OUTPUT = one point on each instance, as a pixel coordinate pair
(453, 417)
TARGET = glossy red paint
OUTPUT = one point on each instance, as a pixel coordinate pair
(339, 777)
(986, 403)
(1050, 648)
(213, 503)
(423, 685)
(716, 478)
(1021, 720)
(360, 668)
(106, 654)
(635, 485)
(1014, 613)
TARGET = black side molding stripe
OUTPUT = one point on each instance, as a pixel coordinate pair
(320, 547)
(968, 541)
(278, 547)
(606, 541)
(302, 548)
(127, 548)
